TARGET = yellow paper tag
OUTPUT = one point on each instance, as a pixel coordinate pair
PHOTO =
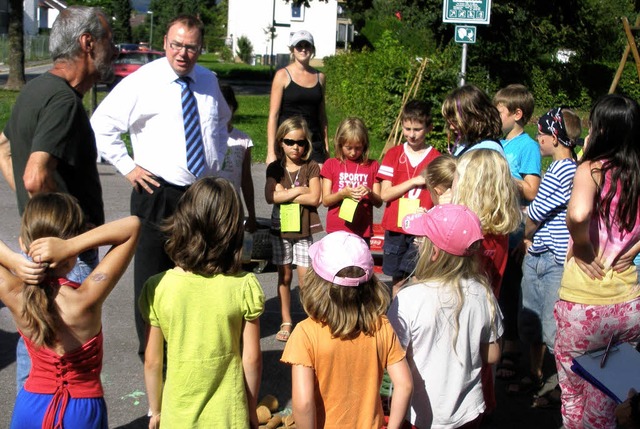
(406, 206)
(290, 217)
(348, 209)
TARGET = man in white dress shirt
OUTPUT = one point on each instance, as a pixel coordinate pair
(148, 105)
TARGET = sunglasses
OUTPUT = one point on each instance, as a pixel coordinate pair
(303, 45)
(290, 142)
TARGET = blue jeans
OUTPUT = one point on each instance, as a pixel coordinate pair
(86, 262)
(541, 276)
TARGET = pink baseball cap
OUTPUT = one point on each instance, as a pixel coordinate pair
(340, 250)
(451, 227)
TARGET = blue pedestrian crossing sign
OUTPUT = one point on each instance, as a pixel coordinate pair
(465, 34)
(466, 11)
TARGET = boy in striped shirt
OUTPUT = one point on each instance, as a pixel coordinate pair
(547, 237)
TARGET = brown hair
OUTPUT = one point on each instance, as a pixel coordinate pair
(46, 215)
(516, 96)
(572, 125)
(188, 21)
(288, 125)
(206, 230)
(352, 130)
(347, 311)
(473, 117)
(417, 110)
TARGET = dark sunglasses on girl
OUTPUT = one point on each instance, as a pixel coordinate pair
(290, 142)
(303, 45)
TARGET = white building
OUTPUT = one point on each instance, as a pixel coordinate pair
(40, 14)
(254, 18)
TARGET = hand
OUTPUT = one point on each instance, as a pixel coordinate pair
(419, 181)
(360, 192)
(625, 413)
(587, 260)
(30, 272)
(624, 261)
(518, 252)
(50, 249)
(141, 178)
(154, 421)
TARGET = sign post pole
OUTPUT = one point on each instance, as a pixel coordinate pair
(463, 64)
(467, 13)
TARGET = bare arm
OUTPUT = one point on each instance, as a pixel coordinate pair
(390, 193)
(528, 187)
(153, 360)
(579, 212)
(402, 389)
(39, 173)
(252, 366)
(322, 113)
(29, 272)
(121, 234)
(280, 80)
(248, 191)
(302, 396)
(490, 352)
(6, 164)
(530, 228)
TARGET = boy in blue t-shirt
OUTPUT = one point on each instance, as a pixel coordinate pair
(515, 104)
(547, 239)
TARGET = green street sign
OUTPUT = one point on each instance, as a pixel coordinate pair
(465, 34)
(466, 11)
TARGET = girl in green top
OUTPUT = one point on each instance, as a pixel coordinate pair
(206, 310)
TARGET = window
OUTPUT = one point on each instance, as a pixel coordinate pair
(297, 12)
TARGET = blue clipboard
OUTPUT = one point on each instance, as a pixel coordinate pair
(620, 373)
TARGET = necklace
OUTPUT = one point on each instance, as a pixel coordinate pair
(294, 182)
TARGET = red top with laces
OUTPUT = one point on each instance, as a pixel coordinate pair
(75, 374)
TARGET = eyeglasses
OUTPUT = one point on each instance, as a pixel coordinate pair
(191, 49)
(303, 45)
(290, 142)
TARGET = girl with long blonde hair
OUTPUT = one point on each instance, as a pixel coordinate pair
(447, 320)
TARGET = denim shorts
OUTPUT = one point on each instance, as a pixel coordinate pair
(400, 254)
(541, 276)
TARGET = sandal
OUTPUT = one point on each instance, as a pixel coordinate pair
(550, 400)
(508, 366)
(283, 334)
(526, 384)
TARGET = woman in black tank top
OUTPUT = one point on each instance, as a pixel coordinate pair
(298, 90)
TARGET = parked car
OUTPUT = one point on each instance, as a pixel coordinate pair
(129, 61)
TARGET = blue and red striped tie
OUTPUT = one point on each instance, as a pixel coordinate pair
(192, 132)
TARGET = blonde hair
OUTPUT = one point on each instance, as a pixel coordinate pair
(347, 311)
(352, 130)
(451, 271)
(484, 184)
(440, 172)
(46, 215)
(291, 124)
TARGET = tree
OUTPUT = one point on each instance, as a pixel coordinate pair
(121, 12)
(16, 79)
(212, 14)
